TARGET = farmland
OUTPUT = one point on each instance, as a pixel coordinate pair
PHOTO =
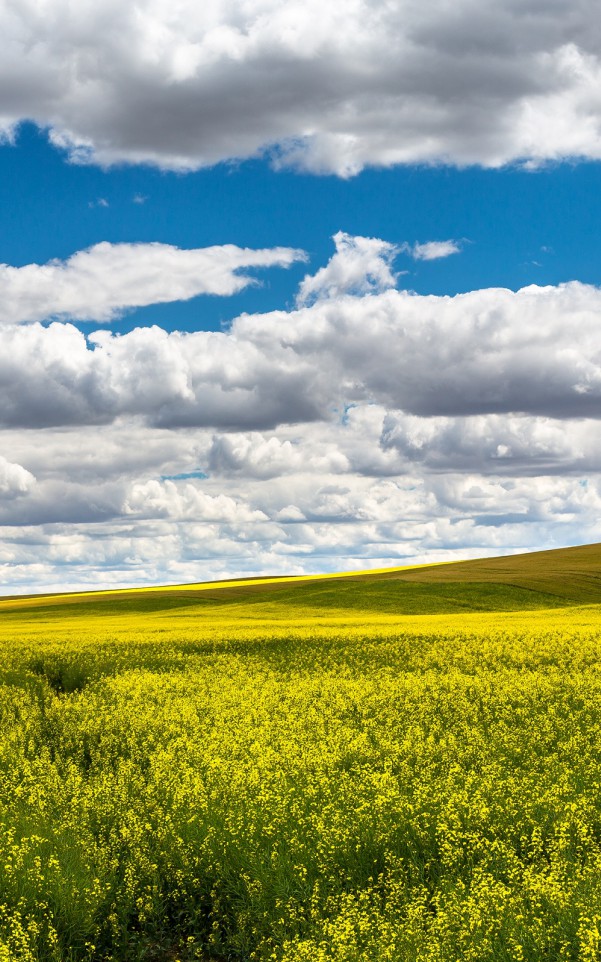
(403, 765)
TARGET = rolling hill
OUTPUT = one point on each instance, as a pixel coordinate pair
(543, 579)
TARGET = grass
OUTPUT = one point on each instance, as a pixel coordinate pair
(387, 766)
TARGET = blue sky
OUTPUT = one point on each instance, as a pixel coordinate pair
(296, 287)
(517, 227)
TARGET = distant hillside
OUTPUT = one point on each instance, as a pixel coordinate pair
(542, 579)
(566, 575)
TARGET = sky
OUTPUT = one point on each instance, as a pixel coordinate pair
(295, 287)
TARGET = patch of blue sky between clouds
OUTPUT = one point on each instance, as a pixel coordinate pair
(185, 476)
(523, 227)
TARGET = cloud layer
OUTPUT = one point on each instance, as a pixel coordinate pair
(368, 426)
(323, 87)
(314, 498)
(535, 352)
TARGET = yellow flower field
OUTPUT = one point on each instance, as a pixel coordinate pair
(247, 780)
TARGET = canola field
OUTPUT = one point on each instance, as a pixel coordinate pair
(306, 773)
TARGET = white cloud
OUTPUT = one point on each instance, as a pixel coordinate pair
(100, 283)
(361, 265)
(317, 526)
(434, 250)
(493, 444)
(362, 429)
(166, 499)
(534, 351)
(304, 498)
(327, 87)
(256, 456)
(14, 479)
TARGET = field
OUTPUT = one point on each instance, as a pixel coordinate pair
(396, 766)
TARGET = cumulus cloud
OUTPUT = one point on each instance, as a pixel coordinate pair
(534, 351)
(255, 456)
(100, 283)
(366, 427)
(167, 499)
(323, 87)
(361, 265)
(493, 444)
(14, 479)
(303, 498)
(313, 526)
